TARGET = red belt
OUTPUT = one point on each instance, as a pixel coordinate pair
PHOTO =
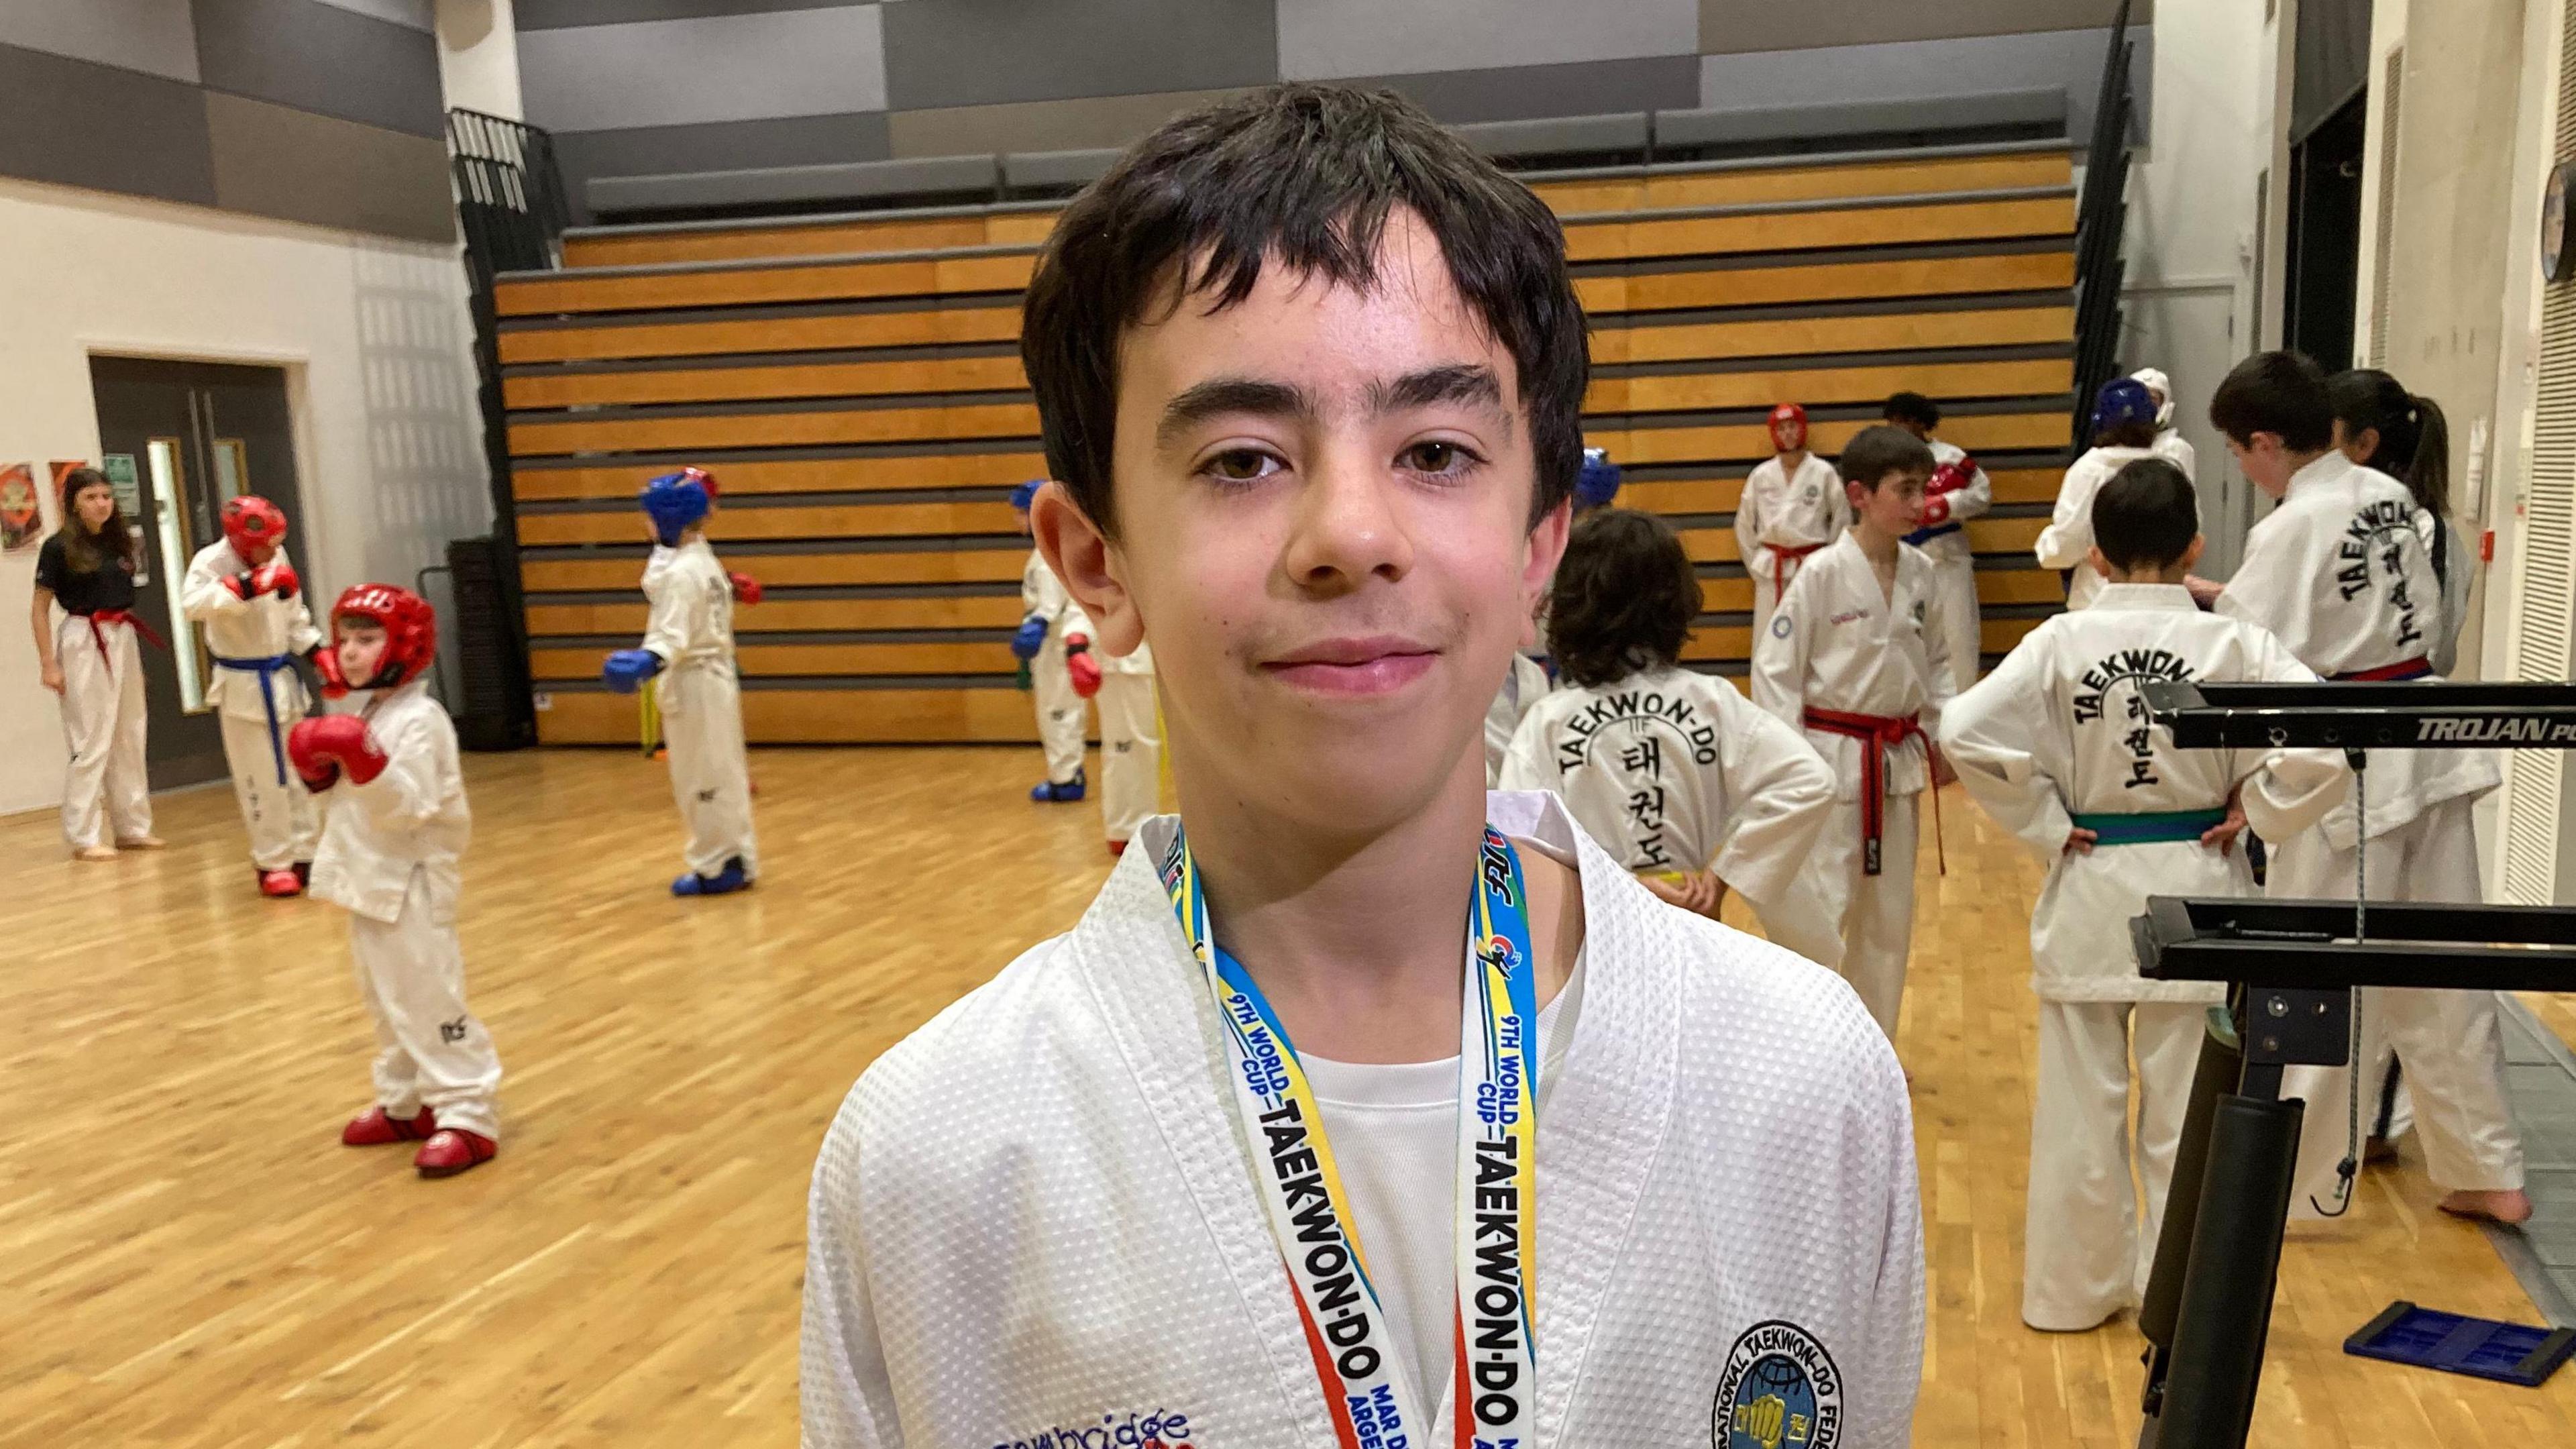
(2415, 668)
(1781, 558)
(1879, 734)
(98, 636)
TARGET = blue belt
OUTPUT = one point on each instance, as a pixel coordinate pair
(1921, 536)
(266, 669)
(2149, 827)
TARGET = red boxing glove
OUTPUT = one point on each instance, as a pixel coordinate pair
(243, 586)
(1936, 511)
(1079, 663)
(326, 662)
(276, 578)
(1951, 477)
(327, 744)
(746, 589)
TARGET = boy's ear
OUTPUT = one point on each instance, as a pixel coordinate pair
(1856, 493)
(2100, 561)
(1546, 550)
(2191, 552)
(1090, 567)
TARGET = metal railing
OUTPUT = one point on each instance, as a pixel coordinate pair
(2101, 219)
(510, 202)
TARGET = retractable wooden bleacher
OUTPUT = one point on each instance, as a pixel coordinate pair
(854, 381)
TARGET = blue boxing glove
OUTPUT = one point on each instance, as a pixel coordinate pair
(1031, 638)
(627, 669)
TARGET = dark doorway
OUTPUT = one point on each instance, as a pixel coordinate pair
(2325, 235)
(190, 435)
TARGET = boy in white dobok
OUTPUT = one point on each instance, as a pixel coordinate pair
(392, 845)
(1792, 505)
(1053, 645)
(1131, 741)
(1858, 658)
(688, 653)
(1959, 491)
(1674, 773)
(244, 593)
(2342, 573)
(1614, 1170)
(2124, 430)
(2056, 746)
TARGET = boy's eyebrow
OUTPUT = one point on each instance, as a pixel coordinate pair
(1457, 382)
(1219, 396)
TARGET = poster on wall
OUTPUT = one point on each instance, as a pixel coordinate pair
(21, 521)
(61, 468)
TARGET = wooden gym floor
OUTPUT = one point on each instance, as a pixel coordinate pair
(189, 1257)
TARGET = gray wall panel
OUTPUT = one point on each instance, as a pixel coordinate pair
(80, 124)
(417, 14)
(1923, 69)
(1323, 39)
(319, 57)
(1728, 27)
(945, 53)
(557, 14)
(684, 72)
(291, 164)
(719, 146)
(1068, 125)
(1531, 92)
(146, 35)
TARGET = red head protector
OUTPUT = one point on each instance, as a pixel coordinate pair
(254, 526)
(1788, 427)
(411, 631)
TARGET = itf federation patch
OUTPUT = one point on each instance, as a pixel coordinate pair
(1780, 1391)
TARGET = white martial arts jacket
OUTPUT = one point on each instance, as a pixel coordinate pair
(2341, 574)
(1671, 770)
(411, 817)
(691, 601)
(1838, 643)
(2060, 728)
(1781, 511)
(1523, 687)
(1043, 596)
(2172, 446)
(1034, 1219)
(2068, 539)
(1947, 541)
(266, 627)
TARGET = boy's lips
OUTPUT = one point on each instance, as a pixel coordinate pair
(1376, 664)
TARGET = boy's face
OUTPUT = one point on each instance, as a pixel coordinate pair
(362, 648)
(2265, 461)
(1895, 506)
(1323, 504)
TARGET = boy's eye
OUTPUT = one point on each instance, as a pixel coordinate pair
(1241, 465)
(1434, 456)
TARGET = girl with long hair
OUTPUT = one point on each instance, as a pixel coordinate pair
(91, 659)
(2380, 425)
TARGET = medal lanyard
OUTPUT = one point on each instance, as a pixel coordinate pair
(1494, 1360)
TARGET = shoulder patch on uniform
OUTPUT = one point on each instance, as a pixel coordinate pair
(1780, 1391)
(1780, 626)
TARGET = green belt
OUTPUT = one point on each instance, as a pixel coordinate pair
(2147, 828)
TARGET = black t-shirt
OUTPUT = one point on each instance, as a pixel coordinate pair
(109, 586)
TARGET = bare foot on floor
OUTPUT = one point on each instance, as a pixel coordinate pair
(2509, 1206)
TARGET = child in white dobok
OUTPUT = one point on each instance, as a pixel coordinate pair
(2056, 746)
(1792, 505)
(243, 591)
(1675, 772)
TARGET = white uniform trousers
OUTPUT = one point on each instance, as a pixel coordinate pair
(1954, 581)
(710, 777)
(1875, 912)
(1131, 753)
(2451, 1041)
(105, 789)
(284, 823)
(1767, 598)
(1059, 712)
(2085, 1251)
(430, 1050)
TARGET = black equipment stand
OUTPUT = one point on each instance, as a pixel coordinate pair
(2291, 966)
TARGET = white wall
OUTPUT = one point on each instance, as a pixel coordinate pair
(478, 57)
(2193, 232)
(377, 342)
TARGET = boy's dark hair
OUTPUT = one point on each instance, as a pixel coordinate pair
(1311, 173)
(2131, 434)
(1879, 450)
(2146, 516)
(1912, 407)
(2275, 392)
(1624, 598)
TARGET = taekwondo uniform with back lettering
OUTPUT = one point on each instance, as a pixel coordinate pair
(1962, 491)
(2341, 573)
(2067, 542)
(258, 697)
(1780, 522)
(2056, 739)
(1864, 673)
(1674, 771)
(1036, 1221)
(1523, 688)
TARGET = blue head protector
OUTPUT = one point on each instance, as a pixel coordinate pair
(2123, 400)
(1026, 493)
(676, 500)
(1598, 483)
